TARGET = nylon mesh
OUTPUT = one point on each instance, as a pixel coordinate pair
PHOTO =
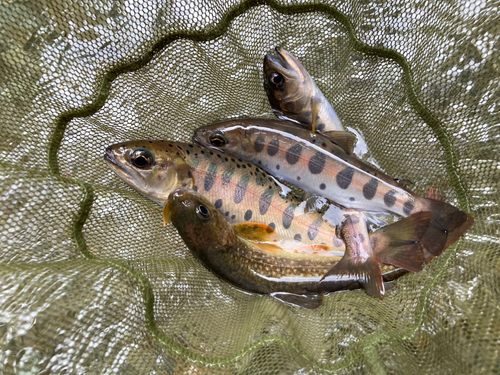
(90, 281)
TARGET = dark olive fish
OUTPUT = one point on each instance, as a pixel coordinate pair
(294, 96)
(295, 278)
(317, 165)
(250, 198)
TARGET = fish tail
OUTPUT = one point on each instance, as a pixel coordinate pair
(358, 263)
(447, 225)
(399, 244)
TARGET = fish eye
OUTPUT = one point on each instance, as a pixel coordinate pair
(142, 158)
(218, 139)
(276, 81)
(203, 212)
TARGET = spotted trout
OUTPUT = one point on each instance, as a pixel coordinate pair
(299, 279)
(294, 96)
(249, 197)
(318, 165)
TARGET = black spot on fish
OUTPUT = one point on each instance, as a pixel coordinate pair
(408, 206)
(344, 178)
(218, 203)
(272, 225)
(370, 188)
(298, 178)
(248, 215)
(320, 127)
(288, 216)
(241, 188)
(322, 186)
(210, 176)
(227, 213)
(260, 161)
(390, 198)
(195, 188)
(297, 237)
(317, 163)
(260, 180)
(265, 201)
(277, 167)
(227, 175)
(313, 230)
(259, 144)
(233, 217)
(337, 242)
(352, 199)
(293, 154)
(272, 147)
(360, 238)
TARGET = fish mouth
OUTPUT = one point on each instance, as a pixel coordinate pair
(116, 166)
(275, 61)
(109, 156)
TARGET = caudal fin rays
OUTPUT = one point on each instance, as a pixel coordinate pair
(399, 244)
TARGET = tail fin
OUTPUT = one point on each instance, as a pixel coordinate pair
(447, 225)
(399, 244)
(358, 263)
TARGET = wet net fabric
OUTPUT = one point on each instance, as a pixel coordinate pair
(90, 280)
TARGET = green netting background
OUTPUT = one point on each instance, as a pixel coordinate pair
(90, 281)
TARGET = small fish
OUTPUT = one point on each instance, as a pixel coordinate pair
(317, 165)
(298, 279)
(249, 197)
(294, 96)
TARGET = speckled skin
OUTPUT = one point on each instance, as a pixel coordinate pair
(313, 163)
(213, 241)
(233, 186)
(296, 153)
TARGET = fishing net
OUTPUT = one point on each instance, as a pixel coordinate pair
(90, 280)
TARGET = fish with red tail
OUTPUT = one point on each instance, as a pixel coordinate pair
(249, 198)
(318, 165)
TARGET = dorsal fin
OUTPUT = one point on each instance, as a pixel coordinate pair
(344, 140)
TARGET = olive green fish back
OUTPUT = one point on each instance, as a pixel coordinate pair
(90, 280)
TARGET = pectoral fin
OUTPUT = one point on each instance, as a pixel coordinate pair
(255, 231)
(166, 213)
(315, 108)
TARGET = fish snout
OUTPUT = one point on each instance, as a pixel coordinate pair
(109, 155)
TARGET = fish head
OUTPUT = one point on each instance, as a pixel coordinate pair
(150, 167)
(288, 85)
(201, 226)
(231, 137)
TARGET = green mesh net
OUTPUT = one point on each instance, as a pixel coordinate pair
(90, 280)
